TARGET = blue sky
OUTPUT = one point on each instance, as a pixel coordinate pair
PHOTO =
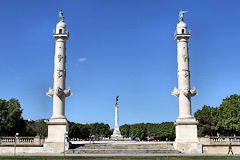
(118, 47)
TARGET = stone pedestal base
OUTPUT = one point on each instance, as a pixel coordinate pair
(54, 143)
(55, 147)
(116, 138)
(188, 147)
(186, 136)
(116, 135)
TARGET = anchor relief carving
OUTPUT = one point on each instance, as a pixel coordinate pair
(60, 72)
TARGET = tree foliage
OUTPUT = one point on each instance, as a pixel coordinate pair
(160, 131)
(228, 116)
(35, 128)
(224, 120)
(41, 128)
(11, 121)
(206, 119)
(83, 131)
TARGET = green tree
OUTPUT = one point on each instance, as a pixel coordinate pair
(228, 116)
(73, 130)
(167, 130)
(29, 129)
(83, 131)
(100, 129)
(125, 130)
(224, 119)
(206, 120)
(139, 130)
(41, 128)
(11, 121)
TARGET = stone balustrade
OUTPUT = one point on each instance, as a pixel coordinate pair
(21, 140)
(234, 140)
(220, 140)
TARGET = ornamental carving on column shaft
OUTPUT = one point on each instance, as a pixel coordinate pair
(60, 73)
(185, 58)
(186, 91)
(60, 57)
(186, 74)
(58, 91)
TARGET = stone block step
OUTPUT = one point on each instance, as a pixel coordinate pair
(122, 148)
(117, 151)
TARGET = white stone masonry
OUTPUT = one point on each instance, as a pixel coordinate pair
(116, 133)
(186, 125)
(58, 124)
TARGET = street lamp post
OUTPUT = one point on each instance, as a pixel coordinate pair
(167, 147)
(15, 141)
(65, 136)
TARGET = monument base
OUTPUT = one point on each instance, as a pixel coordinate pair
(57, 128)
(116, 135)
(55, 147)
(186, 136)
(188, 147)
(116, 138)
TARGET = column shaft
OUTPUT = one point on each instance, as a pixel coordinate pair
(59, 78)
(116, 116)
(183, 78)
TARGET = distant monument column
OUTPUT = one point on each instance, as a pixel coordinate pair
(58, 125)
(186, 125)
(116, 133)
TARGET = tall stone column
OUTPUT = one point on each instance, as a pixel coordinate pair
(186, 125)
(116, 133)
(58, 124)
(116, 116)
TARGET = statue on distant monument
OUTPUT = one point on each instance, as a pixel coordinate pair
(181, 14)
(61, 16)
(117, 99)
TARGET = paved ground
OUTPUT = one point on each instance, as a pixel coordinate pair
(118, 155)
(121, 142)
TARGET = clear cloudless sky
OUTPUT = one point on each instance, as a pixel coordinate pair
(118, 47)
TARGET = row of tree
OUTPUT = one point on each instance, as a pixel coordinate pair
(144, 131)
(223, 120)
(82, 131)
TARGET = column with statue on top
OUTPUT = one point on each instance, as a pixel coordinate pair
(186, 125)
(58, 124)
(116, 133)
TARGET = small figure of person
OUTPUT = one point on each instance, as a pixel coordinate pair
(230, 148)
(90, 138)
